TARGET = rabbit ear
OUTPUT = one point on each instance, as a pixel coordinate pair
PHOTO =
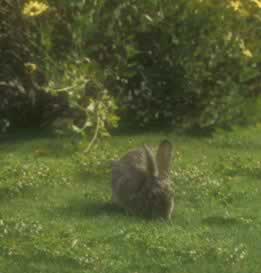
(163, 158)
(151, 164)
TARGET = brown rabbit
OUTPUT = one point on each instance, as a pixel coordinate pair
(140, 183)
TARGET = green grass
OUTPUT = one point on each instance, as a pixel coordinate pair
(56, 215)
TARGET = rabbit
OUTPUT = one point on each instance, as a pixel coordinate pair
(140, 182)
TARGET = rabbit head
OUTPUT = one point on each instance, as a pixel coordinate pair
(140, 182)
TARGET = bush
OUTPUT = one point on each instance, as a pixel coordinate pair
(189, 64)
(21, 81)
(46, 78)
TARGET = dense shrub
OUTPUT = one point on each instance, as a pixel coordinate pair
(23, 100)
(189, 64)
(48, 77)
(182, 63)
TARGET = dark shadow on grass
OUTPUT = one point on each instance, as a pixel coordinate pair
(164, 130)
(24, 135)
(129, 130)
(86, 176)
(88, 208)
(94, 208)
(198, 132)
(101, 209)
(221, 220)
(39, 143)
(5, 194)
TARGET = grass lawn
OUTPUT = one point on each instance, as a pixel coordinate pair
(56, 215)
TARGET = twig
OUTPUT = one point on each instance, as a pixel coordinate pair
(69, 87)
(94, 135)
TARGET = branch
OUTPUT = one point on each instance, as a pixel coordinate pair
(69, 87)
(94, 135)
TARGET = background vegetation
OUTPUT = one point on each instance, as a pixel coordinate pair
(181, 64)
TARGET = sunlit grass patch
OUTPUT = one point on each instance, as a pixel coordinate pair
(18, 176)
(56, 213)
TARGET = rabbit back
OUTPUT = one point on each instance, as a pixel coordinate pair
(128, 176)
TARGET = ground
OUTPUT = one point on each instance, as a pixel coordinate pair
(56, 213)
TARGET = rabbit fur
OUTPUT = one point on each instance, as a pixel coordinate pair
(140, 181)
